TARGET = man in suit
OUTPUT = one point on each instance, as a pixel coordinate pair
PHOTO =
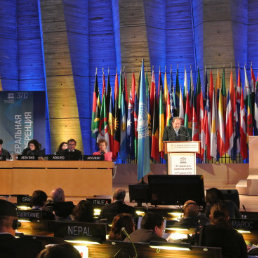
(176, 132)
(152, 228)
(11, 247)
(118, 206)
(71, 153)
(4, 154)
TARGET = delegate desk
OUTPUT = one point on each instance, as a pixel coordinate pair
(77, 178)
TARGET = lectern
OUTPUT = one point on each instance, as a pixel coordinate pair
(182, 157)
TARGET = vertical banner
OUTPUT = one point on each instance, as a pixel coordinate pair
(20, 113)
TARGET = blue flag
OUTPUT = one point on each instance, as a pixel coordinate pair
(130, 128)
(123, 150)
(143, 131)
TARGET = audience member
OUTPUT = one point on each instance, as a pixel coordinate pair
(192, 216)
(71, 153)
(83, 211)
(61, 209)
(122, 220)
(59, 251)
(4, 153)
(63, 146)
(58, 195)
(118, 206)
(152, 228)
(11, 247)
(213, 196)
(33, 149)
(221, 234)
(103, 150)
(38, 202)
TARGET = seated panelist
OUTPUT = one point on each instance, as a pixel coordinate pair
(176, 132)
(71, 153)
(103, 150)
(63, 146)
(4, 153)
(33, 149)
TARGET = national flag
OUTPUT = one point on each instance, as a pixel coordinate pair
(116, 120)
(130, 123)
(191, 92)
(252, 80)
(202, 127)
(223, 84)
(110, 122)
(181, 107)
(246, 87)
(143, 132)
(243, 137)
(123, 149)
(152, 92)
(95, 109)
(108, 92)
(221, 126)
(207, 124)
(103, 85)
(217, 83)
(165, 87)
(249, 119)
(238, 90)
(198, 94)
(135, 117)
(155, 130)
(125, 92)
(256, 110)
(206, 82)
(177, 95)
(211, 88)
(168, 114)
(195, 124)
(103, 123)
(185, 85)
(213, 136)
(161, 119)
(235, 118)
(172, 97)
(229, 139)
(187, 120)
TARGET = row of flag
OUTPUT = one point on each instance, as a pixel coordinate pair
(220, 119)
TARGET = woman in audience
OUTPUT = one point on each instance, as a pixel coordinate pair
(33, 149)
(83, 211)
(221, 234)
(122, 220)
(63, 146)
(59, 251)
(103, 150)
(213, 196)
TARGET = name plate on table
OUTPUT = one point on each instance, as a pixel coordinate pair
(29, 214)
(71, 230)
(93, 157)
(23, 157)
(99, 201)
(2, 158)
(56, 157)
(183, 146)
(245, 224)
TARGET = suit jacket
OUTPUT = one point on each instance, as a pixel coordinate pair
(224, 236)
(111, 210)
(5, 154)
(10, 247)
(170, 134)
(144, 235)
(72, 155)
(107, 155)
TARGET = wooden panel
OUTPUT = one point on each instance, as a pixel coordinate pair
(77, 178)
(63, 110)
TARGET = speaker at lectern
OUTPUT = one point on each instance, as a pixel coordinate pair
(181, 157)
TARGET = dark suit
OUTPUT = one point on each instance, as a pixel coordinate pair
(145, 235)
(4, 153)
(72, 155)
(11, 247)
(29, 152)
(111, 210)
(224, 236)
(170, 134)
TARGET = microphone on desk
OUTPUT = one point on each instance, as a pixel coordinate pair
(123, 230)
